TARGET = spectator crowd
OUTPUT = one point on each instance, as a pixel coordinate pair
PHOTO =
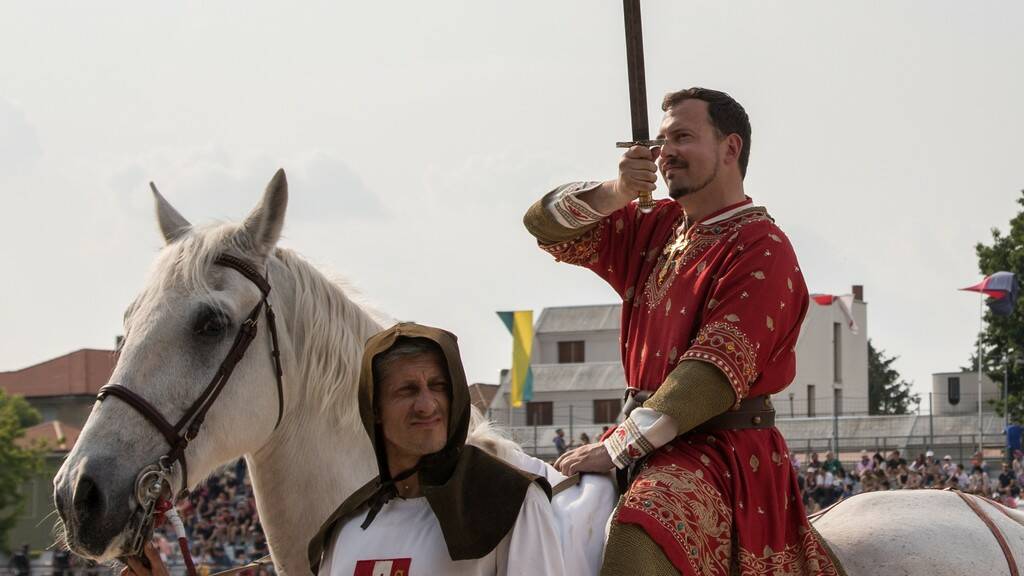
(825, 482)
(222, 524)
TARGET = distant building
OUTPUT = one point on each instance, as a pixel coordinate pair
(957, 393)
(578, 379)
(831, 362)
(63, 390)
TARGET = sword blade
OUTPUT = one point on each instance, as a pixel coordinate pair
(635, 67)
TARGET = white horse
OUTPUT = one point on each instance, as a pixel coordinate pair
(179, 329)
(301, 470)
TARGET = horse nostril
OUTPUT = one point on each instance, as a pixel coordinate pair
(88, 500)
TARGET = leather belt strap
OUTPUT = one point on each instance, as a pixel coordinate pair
(753, 412)
(973, 505)
(565, 484)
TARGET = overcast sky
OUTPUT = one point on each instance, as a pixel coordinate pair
(886, 143)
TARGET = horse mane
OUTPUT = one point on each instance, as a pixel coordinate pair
(329, 330)
(485, 436)
(327, 319)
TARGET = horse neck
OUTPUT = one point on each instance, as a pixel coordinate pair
(320, 454)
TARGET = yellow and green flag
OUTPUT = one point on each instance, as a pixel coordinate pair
(520, 324)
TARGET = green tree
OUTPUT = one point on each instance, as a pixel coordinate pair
(1004, 335)
(18, 463)
(888, 393)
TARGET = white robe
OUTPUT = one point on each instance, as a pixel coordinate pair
(406, 539)
(582, 513)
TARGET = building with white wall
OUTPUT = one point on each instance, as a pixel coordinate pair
(831, 362)
(578, 380)
(955, 393)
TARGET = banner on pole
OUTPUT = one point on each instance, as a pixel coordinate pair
(520, 325)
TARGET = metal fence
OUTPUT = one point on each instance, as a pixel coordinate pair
(912, 435)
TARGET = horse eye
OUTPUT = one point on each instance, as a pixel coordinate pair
(210, 322)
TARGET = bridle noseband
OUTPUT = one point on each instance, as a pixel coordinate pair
(177, 435)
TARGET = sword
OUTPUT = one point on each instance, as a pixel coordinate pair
(637, 89)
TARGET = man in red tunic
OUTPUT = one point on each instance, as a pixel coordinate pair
(713, 299)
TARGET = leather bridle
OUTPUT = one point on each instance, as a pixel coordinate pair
(177, 435)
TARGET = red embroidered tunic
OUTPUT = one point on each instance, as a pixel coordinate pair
(727, 291)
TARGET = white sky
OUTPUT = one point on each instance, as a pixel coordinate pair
(886, 143)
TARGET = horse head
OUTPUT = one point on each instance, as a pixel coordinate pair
(178, 332)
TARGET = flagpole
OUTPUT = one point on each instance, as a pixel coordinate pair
(981, 333)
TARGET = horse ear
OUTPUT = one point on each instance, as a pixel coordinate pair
(263, 225)
(172, 224)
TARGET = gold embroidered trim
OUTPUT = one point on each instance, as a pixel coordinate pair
(691, 509)
(691, 245)
(805, 558)
(582, 250)
(727, 347)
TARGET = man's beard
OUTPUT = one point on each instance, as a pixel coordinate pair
(677, 192)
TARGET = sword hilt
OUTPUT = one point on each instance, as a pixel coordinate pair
(645, 202)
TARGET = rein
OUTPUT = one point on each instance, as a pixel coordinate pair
(153, 479)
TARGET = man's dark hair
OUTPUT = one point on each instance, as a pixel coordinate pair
(726, 114)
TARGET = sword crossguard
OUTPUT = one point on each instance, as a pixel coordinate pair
(647, 143)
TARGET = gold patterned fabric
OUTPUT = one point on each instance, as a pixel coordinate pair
(726, 346)
(806, 557)
(690, 509)
(691, 245)
(725, 503)
(581, 250)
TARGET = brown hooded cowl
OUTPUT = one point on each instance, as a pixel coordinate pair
(475, 496)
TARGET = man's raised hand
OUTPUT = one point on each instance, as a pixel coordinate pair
(637, 172)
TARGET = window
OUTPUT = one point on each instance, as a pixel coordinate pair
(810, 400)
(953, 384)
(538, 413)
(837, 352)
(570, 352)
(606, 411)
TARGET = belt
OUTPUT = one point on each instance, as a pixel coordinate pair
(753, 412)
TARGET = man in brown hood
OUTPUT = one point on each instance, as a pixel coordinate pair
(439, 506)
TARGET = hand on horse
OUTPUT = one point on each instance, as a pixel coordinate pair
(586, 458)
(135, 566)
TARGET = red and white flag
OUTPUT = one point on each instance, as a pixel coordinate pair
(845, 304)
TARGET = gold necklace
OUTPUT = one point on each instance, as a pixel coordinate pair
(676, 248)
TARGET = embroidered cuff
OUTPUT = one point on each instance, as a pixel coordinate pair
(643, 432)
(568, 210)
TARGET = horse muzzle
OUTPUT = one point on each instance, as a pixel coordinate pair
(96, 504)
